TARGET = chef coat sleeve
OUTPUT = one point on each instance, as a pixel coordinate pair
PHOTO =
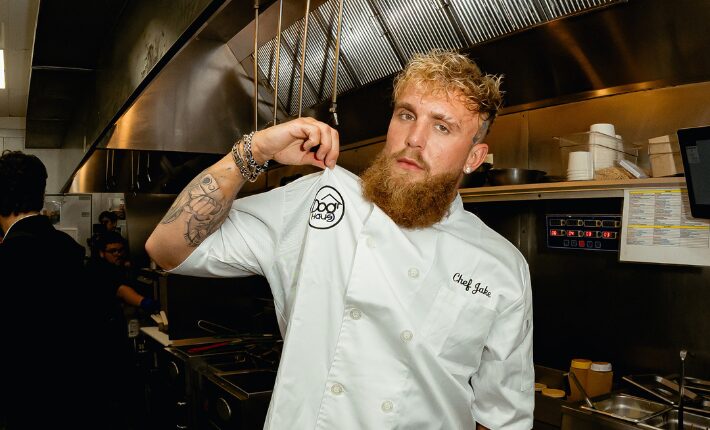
(245, 244)
(503, 386)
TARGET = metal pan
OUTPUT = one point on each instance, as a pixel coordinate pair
(514, 176)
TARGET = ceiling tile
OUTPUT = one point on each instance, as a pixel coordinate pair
(4, 100)
(18, 104)
(17, 70)
(20, 23)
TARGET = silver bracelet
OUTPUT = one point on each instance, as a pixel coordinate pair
(249, 168)
(253, 165)
(239, 161)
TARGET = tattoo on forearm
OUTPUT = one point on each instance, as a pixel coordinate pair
(203, 200)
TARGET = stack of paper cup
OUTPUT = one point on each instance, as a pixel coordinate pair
(579, 166)
(602, 144)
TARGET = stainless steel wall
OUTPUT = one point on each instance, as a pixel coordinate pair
(588, 304)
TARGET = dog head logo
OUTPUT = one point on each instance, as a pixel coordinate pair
(327, 209)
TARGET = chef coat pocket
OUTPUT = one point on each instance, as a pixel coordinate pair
(457, 327)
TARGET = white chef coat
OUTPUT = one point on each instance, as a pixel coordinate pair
(383, 327)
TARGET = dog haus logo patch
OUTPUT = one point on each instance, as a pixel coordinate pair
(327, 209)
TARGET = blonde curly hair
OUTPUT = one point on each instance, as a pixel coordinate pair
(455, 75)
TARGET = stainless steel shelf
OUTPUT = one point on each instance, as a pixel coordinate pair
(565, 190)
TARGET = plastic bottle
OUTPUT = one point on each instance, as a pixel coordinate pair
(599, 379)
(580, 367)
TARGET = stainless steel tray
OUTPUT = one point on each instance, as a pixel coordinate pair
(660, 387)
(627, 408)
(669, 421)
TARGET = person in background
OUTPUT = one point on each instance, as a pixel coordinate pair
(110, 275)
(109, 220)
(47, 374)
(398, 308)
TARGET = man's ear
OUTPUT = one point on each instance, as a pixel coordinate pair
(475, 158)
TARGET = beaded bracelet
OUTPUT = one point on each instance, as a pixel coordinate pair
(249, 169)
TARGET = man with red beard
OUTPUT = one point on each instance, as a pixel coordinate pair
(398, 308)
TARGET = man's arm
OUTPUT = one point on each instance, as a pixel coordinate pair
(480, 427)
(203, 205)
(129, 295)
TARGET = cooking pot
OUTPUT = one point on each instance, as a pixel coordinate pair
(514, 176)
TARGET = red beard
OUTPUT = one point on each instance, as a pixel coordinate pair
(410, 204)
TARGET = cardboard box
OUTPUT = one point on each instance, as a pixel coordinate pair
(664, 156)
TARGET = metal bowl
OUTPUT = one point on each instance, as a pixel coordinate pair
(514, 176)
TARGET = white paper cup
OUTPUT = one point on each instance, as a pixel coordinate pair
(579, 160)
(605, 128)
(579, 166)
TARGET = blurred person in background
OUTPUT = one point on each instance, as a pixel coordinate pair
(107, 222)
(111, 276)
(46, 375)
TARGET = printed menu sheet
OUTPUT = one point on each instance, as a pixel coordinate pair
(657, 228)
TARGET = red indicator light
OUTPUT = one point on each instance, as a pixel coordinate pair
(588, 234)
(554, 232)
(581, 244)
(571, 233)
(609, 234)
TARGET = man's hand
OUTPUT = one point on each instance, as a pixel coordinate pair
(290, 143)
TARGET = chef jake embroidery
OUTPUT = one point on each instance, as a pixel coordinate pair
(475, 289)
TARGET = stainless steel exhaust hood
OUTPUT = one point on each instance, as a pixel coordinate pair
(380, 35)
(202, 100)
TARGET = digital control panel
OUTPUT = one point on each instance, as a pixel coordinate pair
(586, 232)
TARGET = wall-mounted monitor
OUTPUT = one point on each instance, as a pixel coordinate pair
(695, 151)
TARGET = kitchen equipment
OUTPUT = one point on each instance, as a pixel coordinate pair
(111, 181)
(514, 176)
(333, 104)
(277, 61)
(628, 408)
(304, 41)
(605, 151)
(660, 387)
(670, 421)
(694, 145)
(256, 65)
(681, 390)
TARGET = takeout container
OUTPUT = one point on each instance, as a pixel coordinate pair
(664, 156)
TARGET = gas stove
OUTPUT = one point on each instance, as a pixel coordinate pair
(234, 380)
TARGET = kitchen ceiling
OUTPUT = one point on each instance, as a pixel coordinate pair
(67, 45)
(378, 36)
(17, 25)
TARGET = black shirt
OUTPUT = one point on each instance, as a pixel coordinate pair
(46, 317)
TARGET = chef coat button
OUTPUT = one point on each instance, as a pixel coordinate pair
(370, 242)
(387, 406)
(413, 273)
(337, 389)
(406, 336)
(356, 314)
